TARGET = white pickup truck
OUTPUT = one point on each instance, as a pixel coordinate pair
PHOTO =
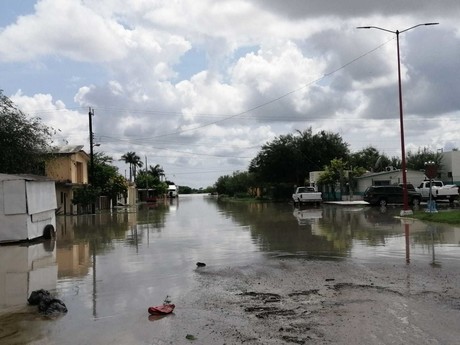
(304, 195)
(439, 190)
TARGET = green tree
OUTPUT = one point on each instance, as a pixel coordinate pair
(156, 171)
(333, 175)
(107, 178)
(134, 162)
(86, 196)
(370, 159)
(416, 161)
(106, 182)
(290, 158)
(24, 141)
(237, 184)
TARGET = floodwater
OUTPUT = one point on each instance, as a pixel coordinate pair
(110, 267)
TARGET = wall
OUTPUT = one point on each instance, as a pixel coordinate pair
(70, 167)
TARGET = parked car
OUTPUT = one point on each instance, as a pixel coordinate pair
(384, 195)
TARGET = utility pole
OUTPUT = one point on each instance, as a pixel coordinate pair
(91, 153)
(146, 178)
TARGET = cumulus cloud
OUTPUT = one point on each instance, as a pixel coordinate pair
(198, 87)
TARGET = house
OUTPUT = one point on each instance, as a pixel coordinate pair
(68, 166)
(449, 171)
(27, 207)
(391, 176)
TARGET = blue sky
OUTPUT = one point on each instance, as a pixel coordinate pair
(198, 87)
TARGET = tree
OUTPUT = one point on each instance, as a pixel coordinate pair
(290, 158)
(239, 183)
(370, 159)
(333, 174)
(416, 161)
(106, 177)
(151, 179)
(156, 171)
(134, 162)
(106, 182)
(24, 141)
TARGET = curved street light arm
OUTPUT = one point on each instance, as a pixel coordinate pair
(412, 27)
(397, 31)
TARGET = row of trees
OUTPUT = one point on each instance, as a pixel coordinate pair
(287, 160)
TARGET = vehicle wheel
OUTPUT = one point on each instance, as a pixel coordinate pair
(383, 202)
(416, 201)
(48, 232)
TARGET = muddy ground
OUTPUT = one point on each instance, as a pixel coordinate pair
(292, 301)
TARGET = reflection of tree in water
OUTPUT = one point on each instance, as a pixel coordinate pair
(275, 228)
(433, 234)
(101, 229)
(152, 216)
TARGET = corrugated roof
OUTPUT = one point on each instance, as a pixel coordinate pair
(27, 177)
(67, 149)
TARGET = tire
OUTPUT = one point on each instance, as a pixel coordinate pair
(49, 232)
(415, 202)
(383, 202)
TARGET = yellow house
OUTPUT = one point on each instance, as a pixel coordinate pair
(68, 166)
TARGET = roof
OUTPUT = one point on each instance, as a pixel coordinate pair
(388, 172)
(67, 149)
(27, 177)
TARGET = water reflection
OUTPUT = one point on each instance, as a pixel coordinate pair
(109, 267)
(26, 268)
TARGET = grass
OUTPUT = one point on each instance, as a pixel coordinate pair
(449, 217)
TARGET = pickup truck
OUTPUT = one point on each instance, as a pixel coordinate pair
(304, 195)
(439, 190)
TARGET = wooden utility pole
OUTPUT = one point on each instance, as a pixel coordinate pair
(91, 154)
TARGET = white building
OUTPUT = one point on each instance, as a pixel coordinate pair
(389, 177)
(449, 171)
(27, 207)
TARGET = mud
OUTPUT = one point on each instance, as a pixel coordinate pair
(292, 301)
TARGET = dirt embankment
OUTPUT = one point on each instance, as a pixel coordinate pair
(291, 301)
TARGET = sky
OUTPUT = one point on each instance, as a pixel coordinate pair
(198, 87)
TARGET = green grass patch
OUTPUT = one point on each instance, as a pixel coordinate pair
(450, 217)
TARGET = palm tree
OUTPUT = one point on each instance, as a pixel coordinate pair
(156, 171)
(134, 162)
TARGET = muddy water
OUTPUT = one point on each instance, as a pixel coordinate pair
(109, 268)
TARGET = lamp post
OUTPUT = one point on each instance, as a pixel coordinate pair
(431, 171)
(91, 154)
(405, 211)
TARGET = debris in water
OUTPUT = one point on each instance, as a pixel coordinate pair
(47, 304)
(190, 337)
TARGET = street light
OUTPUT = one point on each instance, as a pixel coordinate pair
(431, 171)
(406, 210)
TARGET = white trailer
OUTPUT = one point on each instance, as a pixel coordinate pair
(27, 207)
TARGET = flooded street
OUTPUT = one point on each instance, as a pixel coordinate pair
(274, 274)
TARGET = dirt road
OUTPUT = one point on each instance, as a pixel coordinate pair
(292, 301)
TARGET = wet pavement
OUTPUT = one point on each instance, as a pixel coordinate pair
(314, 273)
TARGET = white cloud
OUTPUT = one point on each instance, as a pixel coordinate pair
(270, 68)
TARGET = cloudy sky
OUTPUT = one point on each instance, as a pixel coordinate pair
(197, 86)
